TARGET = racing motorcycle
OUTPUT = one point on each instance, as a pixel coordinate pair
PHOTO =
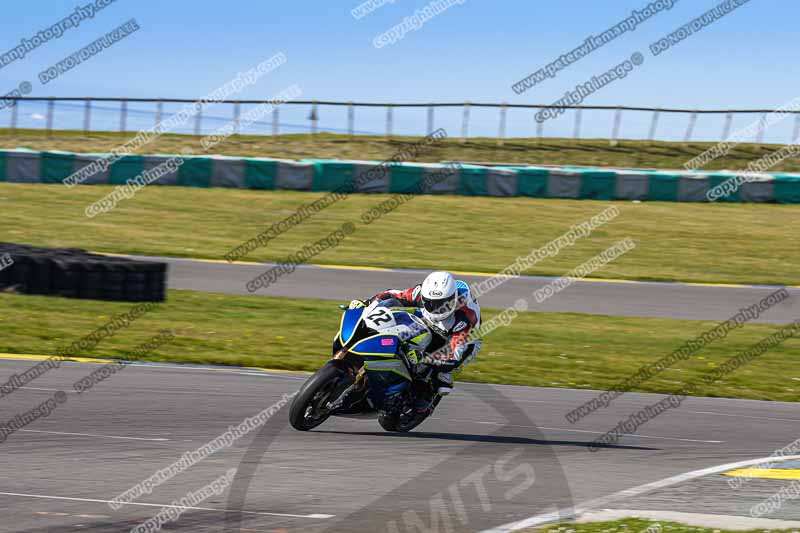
(375, 371)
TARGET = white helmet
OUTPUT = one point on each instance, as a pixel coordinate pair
(439, 296)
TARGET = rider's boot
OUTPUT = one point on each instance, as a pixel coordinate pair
(444, 383)
(440, 382)
(424, 395)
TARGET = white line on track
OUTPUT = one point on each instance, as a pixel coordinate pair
(746, 416)
(89, 500)
(564, 514)
(164, 391)
(639, 436)
(92, 435)
(46, 389)
(519, 400)
(582, 431)
(232, 370)
(289, 374)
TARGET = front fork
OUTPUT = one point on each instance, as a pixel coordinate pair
(353, 367)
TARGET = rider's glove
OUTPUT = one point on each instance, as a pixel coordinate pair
(355, 304)
(438, 358)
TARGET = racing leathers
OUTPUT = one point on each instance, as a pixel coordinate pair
(451, 349)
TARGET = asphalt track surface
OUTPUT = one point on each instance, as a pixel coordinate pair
(490, 456)
(642, 299)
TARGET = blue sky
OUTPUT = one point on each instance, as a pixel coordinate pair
(473, 51)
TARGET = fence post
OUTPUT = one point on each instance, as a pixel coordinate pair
(430, 120)
(275, 123)
(159, 112)
(350, 118)
(237, 117)
(501, 133)
(690, 127)
(653, 125)
(726, 131)
(14, 111)
(123, 116)
(198, 119)
(50, 105)
(389, 121)
(539, 128)
(796, 128)
(617, 123)
(87, 115)
(313, 117)
(465, 123)
(761, 128)
(576, 133)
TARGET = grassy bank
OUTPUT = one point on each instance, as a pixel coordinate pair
(735, 243)
(556, 151)
(544, 349)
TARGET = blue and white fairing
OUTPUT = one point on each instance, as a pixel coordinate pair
(395, 330)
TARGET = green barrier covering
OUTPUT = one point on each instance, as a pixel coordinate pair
(473, 181)
(196, 172)
(663, 187)
(30, 166)
(787, 189)
(125, 168)
(56, 166)
(717, 179)
(532, 181)
(331, 176)
(406, 178)
(598, 185)
(260, 174)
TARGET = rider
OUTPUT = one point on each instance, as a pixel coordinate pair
(448, 307)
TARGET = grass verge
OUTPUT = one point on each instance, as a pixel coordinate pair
(555, 151)
(736, 243)
(543, 349)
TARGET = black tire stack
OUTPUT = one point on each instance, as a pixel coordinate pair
(75, 273)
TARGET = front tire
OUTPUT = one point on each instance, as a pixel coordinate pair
(308, 408)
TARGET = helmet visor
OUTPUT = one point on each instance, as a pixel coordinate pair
(440, 306)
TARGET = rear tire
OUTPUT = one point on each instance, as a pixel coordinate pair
(395, 423)
(313, 396)
(389, 423)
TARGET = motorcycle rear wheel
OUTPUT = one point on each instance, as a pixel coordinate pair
(395, 422)
(308, 408)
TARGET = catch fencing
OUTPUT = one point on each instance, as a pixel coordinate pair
(501, 121)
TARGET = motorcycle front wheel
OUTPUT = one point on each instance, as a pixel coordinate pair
(309, 406)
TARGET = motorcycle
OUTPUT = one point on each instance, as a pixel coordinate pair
(375, 371)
